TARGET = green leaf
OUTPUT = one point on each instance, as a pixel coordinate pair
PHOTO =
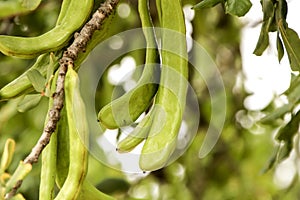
(281, 152)
(113, 185)
(279, 112)
(238, 7)
(285, 135)
(284, 151)
(273, 159)
(268, 9)
(294, 84)
(267, 26)
(294, 92)
(50, 70)
(279, 46)
(37, 80)
(207, 4)
(30, 101)
(290, 129)
(51, 67)
(292, 45)
(263, 40)
(293, 95)
(281, 10)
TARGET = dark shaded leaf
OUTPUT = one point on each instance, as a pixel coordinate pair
(112, 185)
(238, 7)
(268, 9)
(284, 151)
(290, 129)
(281, 152)
(281, 10)
(267, 26)
(293, 95)
(279, 46)
(207, 4)
(263, 40)
(272, 161)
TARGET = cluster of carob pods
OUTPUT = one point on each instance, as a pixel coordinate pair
(161, 91)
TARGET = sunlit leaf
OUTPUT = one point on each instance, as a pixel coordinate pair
(295, 83)
(30, 101)
(292, 45)
(285, 135)
(238, 7)
(207, 4)
(37, 80)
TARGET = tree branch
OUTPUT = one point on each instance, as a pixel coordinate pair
(79, 44)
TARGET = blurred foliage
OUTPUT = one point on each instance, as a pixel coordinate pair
(233, 170)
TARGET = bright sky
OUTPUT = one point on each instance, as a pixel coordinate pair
(265, 77)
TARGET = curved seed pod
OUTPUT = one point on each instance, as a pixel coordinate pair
(87, 191)
(170, 99)
(63, 11)
(136, 136)
(52, 40)
(49, 155)
(126, 109)
(78, 134)
(63, 145)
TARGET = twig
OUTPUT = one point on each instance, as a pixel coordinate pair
(70, 55)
